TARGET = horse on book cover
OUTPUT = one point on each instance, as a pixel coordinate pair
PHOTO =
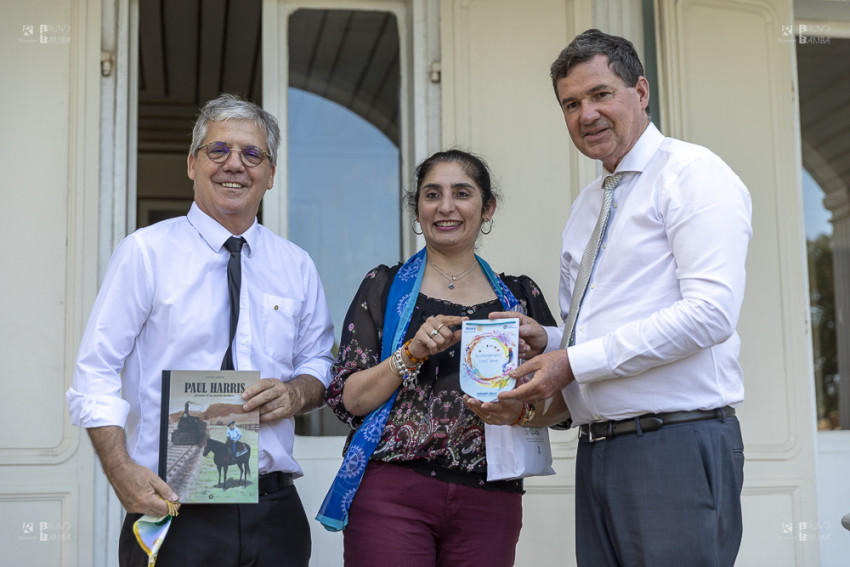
(223, 458)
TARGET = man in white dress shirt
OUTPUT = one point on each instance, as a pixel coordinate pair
(651, 377)
(164, 304)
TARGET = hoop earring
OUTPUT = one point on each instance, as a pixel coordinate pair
(413, 224)
(489, 227)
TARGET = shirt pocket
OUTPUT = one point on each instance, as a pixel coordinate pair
(280, 326)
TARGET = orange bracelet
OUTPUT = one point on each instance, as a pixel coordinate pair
(526, 415)
(412, 358)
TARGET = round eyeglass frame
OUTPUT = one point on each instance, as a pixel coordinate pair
(245, 160)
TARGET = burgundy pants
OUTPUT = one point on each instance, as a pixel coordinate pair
(402, 518)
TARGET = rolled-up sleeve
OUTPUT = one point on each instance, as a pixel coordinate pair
(118, 315)
(315, 336)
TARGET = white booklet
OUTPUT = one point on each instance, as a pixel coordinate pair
(489, 350)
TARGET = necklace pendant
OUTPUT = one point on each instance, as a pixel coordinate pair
(451, 285)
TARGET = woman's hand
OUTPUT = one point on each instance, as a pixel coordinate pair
(435, 335)
(365, 390)
(495, 413)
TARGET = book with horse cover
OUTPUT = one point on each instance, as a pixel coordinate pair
(208, 445)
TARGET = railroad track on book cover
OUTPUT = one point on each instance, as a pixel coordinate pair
(184, 460)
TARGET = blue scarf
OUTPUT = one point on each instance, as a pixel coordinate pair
(333, 514)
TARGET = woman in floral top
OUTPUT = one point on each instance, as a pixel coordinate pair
(424, 498)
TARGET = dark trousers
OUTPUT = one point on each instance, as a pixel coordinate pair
(402, 518)
(273, 532)
(669, 497)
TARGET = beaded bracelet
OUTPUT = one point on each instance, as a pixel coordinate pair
(532, 411)
(413, 359)
(526, 415)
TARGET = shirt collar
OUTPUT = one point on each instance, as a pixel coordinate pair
(643, 150)
(215, 235)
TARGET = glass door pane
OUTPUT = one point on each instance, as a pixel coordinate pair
(343, 154)
(344, 172)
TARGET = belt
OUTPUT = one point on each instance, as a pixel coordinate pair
(648, 422)
(273, 482)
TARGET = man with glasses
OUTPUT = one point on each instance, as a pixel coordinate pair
(164, 305)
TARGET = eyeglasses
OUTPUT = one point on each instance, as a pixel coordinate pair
(219, 152)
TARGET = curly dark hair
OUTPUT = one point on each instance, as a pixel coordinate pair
(472, 165)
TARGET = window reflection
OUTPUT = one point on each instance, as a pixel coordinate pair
(344, 195)
(343, 154)
(823, 65)
(822, 303)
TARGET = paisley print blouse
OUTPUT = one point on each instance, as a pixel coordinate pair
(429, 429)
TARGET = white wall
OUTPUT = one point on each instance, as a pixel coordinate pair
(49, 157)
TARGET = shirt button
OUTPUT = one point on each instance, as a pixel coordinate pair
(605, 244)
(593, 286)
(615, 205)
(244, 341)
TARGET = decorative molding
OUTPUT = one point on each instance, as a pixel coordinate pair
(63, 533)
(804, 551)
(581, 16)
(671, 16)
(623, 18)
(552, 489)
(275, 74)
(457, 88)
(80, 264)
(454, 25)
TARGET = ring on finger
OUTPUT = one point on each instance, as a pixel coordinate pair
(434, 332)
(440, 327)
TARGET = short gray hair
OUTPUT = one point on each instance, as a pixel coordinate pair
(227, 106)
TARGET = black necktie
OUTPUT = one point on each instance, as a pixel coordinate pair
(234, 283)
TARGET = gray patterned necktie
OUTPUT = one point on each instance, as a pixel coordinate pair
(588, 259)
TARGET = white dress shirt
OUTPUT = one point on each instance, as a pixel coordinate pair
(164, 305)
(656, 329)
